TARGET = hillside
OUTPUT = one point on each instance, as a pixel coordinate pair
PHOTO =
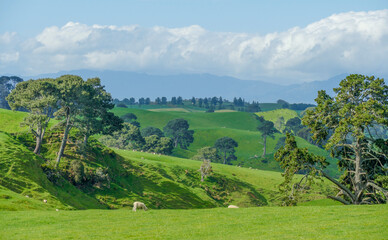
(114, 179)
(241, 126)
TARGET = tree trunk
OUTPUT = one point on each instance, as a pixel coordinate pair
(357, 175)
(176, 142)
(64, 140)
(86, 137)
(38, 144)
(265, 146)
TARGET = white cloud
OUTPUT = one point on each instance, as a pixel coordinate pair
(347, 42)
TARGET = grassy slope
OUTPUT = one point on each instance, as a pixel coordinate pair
(241, 126)
(160, 181)
(20, 172)
(10, 121)
(274, 115)
(334, 222)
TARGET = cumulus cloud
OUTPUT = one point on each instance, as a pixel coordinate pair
(347, 42)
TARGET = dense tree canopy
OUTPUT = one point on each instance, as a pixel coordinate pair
(178, 131)
(225, 146)
(347, 122)
(149, 131)
(39, 98)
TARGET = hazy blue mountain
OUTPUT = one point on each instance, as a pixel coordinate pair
(123, 84)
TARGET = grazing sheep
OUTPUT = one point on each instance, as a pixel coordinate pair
(44, 200)
(57, 210)
(232, 206)
(139, 205)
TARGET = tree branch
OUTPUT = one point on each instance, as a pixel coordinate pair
(341, 186)
(339, 200)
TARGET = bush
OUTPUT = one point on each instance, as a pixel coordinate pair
(51, 173)
(77, 174)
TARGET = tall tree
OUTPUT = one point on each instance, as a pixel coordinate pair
(141, 101)
(200, 102)
(267, 129)
(164, 100)
(225, 146)
(158, 100)
(193, 101)
(73, 97)
(179, 101)
(39, 97)
(360, 105)
(173, 101)
(178, 131)
(94, 117)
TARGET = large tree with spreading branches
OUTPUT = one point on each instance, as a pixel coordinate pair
(349, 123)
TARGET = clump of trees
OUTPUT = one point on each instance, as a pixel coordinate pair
(150, 139)
(76, 103)
(347, 124)
(178, 131)
(226, 148)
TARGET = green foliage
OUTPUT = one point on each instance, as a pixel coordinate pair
(293, 125)
(178, 131)
(346, 123)
(77, 174)
(294, 160)
(129, 137)
(225, 148)
(39, 97)
(207, 153)
(148, 131)
(156, 144)
(94, 117)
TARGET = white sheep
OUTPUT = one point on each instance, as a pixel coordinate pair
(232, 206)
(139, 205)
(44, 200)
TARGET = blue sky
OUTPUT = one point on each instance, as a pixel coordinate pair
(285, 41)
(29, 17)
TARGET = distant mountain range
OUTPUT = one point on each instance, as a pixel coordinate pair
(131, 84)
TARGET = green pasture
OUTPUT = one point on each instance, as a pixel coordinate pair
(326, 222)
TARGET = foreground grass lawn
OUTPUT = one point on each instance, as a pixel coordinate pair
(333, 222)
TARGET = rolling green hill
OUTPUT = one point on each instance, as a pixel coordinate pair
(241, 126)
(159, 181)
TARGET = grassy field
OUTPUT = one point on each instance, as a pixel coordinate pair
(274, 115)
(160, 181)
(241, 126)
(334, 222)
